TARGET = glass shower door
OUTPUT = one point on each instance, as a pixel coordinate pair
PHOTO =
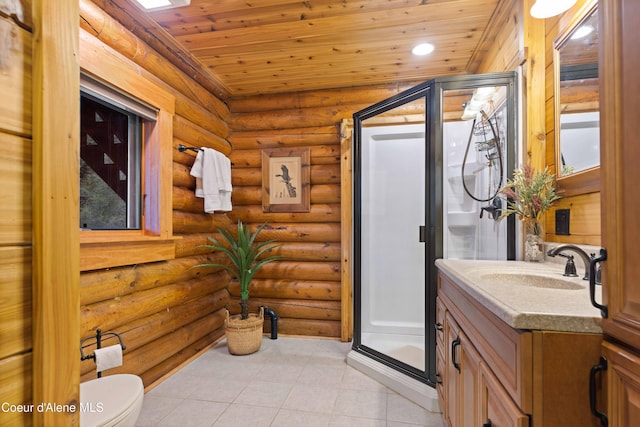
(426, 173)
(392, 254)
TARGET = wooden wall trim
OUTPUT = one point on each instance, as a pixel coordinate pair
(122, 252)
(346, 170)
(56, 303)
(534, 81)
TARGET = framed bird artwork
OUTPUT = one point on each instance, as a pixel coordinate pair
(286, 179)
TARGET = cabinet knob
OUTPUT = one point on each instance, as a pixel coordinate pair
(438, 379)
(487, 423)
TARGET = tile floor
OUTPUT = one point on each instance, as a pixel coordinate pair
(289, 382)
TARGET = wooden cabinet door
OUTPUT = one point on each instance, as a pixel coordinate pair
(497, 409)
(452, 372)
(623, 386)
(470, 387)
(620, 174)
(462, 365)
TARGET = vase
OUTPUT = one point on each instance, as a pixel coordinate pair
(533, 241)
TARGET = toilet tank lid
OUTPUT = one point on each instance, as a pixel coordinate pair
(109, 396)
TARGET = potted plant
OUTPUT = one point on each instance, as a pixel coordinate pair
(244, 330)
(529, 195)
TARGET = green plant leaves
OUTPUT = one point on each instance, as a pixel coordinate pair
(244, 253)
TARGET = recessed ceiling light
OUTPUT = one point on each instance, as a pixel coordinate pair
(422, 49)
(581, 32)
(163, 4)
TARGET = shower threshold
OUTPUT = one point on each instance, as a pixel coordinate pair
(410, 388)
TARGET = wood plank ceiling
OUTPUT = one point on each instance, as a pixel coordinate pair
(271, 46)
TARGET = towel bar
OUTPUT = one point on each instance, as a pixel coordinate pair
(182, 148)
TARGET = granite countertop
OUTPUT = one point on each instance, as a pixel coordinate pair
(534, 296)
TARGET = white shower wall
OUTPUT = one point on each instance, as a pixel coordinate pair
(393, 209)
(465, 234)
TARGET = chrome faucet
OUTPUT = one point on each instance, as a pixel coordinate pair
(585, 257)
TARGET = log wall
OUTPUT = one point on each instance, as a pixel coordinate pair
(305, 287)
(16, 246)
(166, 312)
(305, 290)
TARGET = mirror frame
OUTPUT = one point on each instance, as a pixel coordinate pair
(588, 180)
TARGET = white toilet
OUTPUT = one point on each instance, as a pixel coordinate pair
(115, 400)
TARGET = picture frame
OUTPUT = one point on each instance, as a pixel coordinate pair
(286, 175)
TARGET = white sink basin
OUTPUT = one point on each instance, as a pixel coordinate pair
(532, 280)
(527, 295)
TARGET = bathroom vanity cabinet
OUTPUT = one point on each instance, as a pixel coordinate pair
(491, 374)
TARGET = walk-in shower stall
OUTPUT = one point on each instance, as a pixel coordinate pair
(428, 166)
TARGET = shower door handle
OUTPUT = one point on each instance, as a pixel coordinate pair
(423, 233)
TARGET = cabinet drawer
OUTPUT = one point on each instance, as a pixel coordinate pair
(507, 352)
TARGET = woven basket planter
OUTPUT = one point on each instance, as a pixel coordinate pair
(244, 336)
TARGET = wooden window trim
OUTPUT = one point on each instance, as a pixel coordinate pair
(155, 241)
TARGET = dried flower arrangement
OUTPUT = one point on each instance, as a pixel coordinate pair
(529, 194)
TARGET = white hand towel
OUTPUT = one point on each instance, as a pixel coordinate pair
(108, 357)
(196, 171)
(223, 172)
(214, 171)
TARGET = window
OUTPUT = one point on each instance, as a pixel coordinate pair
(125, 169)
(110, 165)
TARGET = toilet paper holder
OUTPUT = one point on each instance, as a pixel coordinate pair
(98, 337)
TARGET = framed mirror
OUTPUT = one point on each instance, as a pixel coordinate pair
(577, 118)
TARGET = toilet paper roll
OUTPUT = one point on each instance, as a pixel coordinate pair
(108, 357)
